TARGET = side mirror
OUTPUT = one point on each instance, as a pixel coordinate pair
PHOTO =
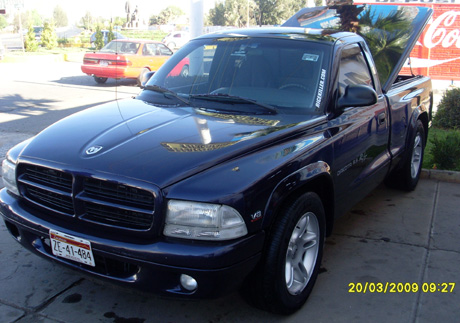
(356, 96)
(146, 77)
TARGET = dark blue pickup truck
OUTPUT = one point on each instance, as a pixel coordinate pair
(231, 175)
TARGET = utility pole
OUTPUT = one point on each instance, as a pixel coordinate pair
(196, 18)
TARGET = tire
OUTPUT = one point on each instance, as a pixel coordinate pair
(100, 80)
(292, 258)
(184, 71)
(171, 45)
(407, 177)
(140, 79)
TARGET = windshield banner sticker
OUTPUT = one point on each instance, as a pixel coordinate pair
(310, 57)
(319, 96)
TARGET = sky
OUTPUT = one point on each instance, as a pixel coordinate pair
(76, 9)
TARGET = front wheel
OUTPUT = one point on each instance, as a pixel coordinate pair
(185, 70)
(292, 258)
(142, 76)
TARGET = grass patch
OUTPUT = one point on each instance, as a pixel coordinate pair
(429, 161)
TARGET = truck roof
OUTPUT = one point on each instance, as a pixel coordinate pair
(297, 33)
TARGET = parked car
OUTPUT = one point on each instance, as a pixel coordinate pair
(105, 36)
(125, 58)
(232, 175)
(176, 39)
(38, 32)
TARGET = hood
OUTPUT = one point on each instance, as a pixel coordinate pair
(391, 31)
(134, 139)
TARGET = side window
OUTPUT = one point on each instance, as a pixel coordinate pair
(353, 68)
(164, 50)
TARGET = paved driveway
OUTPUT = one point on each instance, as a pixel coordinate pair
(390, 237)
(392, 240)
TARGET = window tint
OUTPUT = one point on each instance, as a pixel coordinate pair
(353, 68)
(163, 50)
(150, 50)
(286, 74)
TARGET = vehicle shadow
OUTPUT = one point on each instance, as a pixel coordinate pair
(89, 81)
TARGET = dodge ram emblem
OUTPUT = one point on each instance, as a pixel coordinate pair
(93, 149)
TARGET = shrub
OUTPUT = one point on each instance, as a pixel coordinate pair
(63, 42)
(446, 151)
(30, 43)
(448, 114)
(49, 37)
(99, 42)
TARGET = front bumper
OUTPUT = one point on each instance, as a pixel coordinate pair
(152, 266)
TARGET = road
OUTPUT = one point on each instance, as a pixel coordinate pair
(389, 237)
(34, 95)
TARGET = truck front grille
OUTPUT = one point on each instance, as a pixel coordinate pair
(87, 198)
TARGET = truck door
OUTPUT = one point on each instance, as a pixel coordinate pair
(361, 157)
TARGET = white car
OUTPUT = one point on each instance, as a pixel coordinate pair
(176, 39)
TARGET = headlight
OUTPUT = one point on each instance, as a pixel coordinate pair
(203, 221)
(9, 176)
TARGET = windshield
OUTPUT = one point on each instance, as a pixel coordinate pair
(282, 75)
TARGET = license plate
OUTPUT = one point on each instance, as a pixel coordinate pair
(73, 248)
(103, 63)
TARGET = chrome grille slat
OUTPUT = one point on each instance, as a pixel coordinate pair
(120, 193)
(97, 200)
(117, 216)
(58, 202)
(49, 177)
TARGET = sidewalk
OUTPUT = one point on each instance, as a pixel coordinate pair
(390, 237)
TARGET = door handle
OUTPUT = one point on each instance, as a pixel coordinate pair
(381, 118)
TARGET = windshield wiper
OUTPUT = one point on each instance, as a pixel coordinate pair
(233, 98)
(165, 91)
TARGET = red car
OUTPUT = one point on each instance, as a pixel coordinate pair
(125, 58)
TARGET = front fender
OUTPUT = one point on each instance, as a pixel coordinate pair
(315, 177)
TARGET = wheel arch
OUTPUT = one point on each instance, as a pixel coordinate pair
(315, 178)
(420, 113)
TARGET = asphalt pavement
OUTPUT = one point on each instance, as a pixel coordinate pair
(395, 257)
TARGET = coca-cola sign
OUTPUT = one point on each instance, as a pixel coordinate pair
(440, 31)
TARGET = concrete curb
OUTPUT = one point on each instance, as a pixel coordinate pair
(441, 175)
(40, 59)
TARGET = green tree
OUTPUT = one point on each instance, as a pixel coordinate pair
(60, 17)
(26, 18)
(216, 15)
(49, 37)
(3, 22)
(110, 35)
(30, 43)
(99, 42)
(167, 15)
(261, 12)
(236, 12)
(119, 21)
(275, 12)
(233, 13)
(87, 21)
